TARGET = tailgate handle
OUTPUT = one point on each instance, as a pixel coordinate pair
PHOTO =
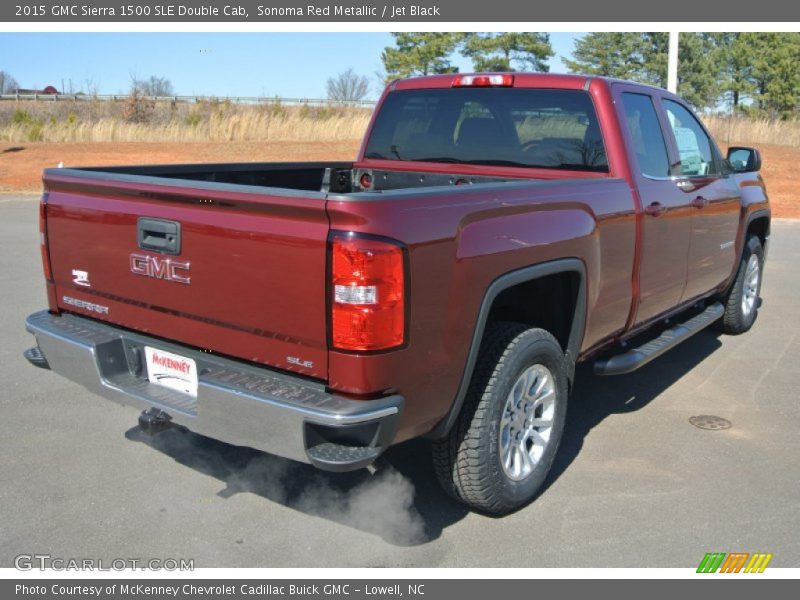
(159, 235)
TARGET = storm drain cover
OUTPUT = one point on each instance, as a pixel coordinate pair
(710, 422)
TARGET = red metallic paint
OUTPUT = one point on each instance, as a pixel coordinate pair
(258, 269)
(459, 242)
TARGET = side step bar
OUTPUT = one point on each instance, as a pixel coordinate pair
(637, 357)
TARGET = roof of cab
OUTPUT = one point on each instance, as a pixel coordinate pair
(521, 80)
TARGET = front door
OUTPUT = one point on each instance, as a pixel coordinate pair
(714, 197)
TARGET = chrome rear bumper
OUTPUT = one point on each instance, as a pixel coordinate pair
(236, 402)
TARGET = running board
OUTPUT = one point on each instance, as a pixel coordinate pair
(638, 357)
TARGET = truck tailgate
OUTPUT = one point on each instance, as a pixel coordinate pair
(247, 281)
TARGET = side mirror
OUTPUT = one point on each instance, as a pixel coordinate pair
(744, 160)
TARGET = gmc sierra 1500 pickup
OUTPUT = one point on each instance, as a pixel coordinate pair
(494, 230)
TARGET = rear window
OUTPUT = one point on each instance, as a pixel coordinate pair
(555, 129)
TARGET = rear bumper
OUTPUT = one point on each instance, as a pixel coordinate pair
(236, 402)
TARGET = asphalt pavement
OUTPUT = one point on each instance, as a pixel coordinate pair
(635, 485)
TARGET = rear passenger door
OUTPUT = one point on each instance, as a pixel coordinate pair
(667, 219)
(714, 196)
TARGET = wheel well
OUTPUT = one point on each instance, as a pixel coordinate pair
(760, 228)
(547, 303)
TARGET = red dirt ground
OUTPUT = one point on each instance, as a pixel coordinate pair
(21, 164)
(781, 172)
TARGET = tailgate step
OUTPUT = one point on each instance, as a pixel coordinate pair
(638, 357)
(36, 358)
(340, 457)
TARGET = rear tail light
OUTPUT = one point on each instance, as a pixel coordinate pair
(368, 293)
(497, 80)
(48, 271)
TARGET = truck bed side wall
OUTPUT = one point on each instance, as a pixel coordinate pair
(459, 242)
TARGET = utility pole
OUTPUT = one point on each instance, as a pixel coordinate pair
(672, 63)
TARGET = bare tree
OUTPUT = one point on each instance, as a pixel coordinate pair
(380, 79)
(8, 85)
(89, 86)
(154, 86)
(348, 86)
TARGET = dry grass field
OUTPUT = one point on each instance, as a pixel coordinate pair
(141, 120)
(34, 136)
(754, 132)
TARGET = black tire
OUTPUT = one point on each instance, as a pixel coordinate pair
(468, 461)
(737, 319)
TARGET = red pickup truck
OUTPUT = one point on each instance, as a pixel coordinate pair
(495, 230)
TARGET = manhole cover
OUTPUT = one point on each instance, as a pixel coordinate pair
(710, 422)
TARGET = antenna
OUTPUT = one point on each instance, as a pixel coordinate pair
(730, 122)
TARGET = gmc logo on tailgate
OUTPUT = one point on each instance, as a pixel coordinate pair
(157, 267)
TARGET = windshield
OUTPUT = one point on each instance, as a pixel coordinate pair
(555, 129)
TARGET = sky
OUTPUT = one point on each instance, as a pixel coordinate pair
(291, 65)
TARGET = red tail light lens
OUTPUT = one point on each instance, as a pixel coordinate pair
(48, 271)
(368, 289)
(365, 180)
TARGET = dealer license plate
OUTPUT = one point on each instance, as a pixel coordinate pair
(171, 371)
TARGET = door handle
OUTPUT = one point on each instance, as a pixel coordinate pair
(159, 235)
(699, 202)
(654, 209)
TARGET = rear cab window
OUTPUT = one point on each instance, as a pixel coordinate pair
(647, 139)
(517, 127)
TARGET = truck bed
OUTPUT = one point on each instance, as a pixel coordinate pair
(282, 178)
(254, 240)
(306, 177)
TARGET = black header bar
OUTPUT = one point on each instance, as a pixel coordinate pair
(434, 11)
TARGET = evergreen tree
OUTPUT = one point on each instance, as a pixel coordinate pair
(608, 54)
(699, 70)
(735, 66)
(643, 57)
(420, 54)
(509, 51)
(776, 72)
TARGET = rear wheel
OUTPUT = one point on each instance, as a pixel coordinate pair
(498, 454)
(741, 303)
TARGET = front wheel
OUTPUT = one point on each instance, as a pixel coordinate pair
(741, 303)
(498, 454)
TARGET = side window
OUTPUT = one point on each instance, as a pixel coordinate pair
(646, 134)
(694, 146)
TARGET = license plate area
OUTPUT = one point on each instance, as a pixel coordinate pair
(171, 371)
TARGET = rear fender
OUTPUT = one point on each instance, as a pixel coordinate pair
(504, 282)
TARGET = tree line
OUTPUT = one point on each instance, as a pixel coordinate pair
(757, 74)
(152, 86)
